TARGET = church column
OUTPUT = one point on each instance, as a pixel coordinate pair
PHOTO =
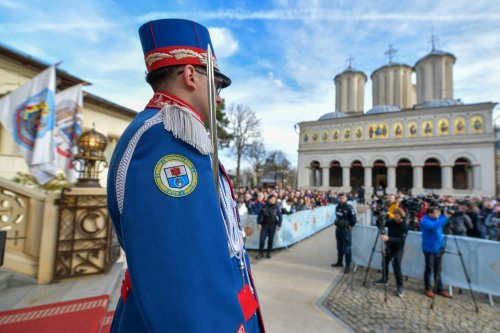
(391, 180)
(346, 178)
(476, 177)
(326, 178)
(368, 183)
(447, 178)
(418, 180)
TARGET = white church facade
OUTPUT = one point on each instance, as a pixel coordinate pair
(416, 138)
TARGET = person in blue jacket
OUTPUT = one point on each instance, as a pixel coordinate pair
(433, 245)
(188, 270)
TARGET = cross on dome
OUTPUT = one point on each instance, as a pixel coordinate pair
(390, 52)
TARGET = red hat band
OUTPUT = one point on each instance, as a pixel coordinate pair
(173, 56)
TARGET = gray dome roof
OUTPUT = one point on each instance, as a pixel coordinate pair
(333, 115)
(436, 52)
(437, 103)
(390, 65)
(383, 109)
(350, 70)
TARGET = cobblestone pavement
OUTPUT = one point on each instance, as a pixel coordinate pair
(364, 310)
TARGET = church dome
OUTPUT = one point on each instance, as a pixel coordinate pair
(383, 109)
(333, 115)
(438, 103)
(436, 53)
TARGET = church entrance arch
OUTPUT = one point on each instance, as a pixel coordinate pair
(379, 175)
(404, 176)
(315, 174)
(357, 175)
(462, 174)
(335, 174)
(432, 174)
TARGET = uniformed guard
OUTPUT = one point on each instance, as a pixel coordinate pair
(345, 221)
(187, 267)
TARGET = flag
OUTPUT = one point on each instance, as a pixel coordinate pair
(28, 114)
(69, 122)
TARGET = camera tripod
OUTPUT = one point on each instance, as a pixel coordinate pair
(384, 273)
(459, 253)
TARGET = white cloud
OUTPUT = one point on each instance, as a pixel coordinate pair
(224, 43)
(330, 15)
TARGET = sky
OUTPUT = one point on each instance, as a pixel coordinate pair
(281, 55)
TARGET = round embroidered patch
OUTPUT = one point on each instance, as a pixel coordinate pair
(175, 176)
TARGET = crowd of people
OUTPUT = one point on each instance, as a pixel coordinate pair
(469, 216)
(251, 201)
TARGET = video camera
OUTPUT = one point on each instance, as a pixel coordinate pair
(379, 207)
(411, 205)
(433, 200)
(454, 209)
(381, 219)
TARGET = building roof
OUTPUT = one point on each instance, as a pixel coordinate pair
(383, 109)
(64, 79)
(436, 53)
(437, 103)
(110, 105)
(333, 115)
(391, 65)
(350, 70)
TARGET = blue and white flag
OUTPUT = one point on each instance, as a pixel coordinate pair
(69, 123)
(28, 113)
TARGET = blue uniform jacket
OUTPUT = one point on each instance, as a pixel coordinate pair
(182, 274)
(432, 233)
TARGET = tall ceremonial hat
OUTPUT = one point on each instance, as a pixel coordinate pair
(173, 42)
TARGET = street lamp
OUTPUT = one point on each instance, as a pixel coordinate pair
(90, 160)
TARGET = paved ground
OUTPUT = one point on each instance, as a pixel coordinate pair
(293, 283)
(300, 293)
(364, 310)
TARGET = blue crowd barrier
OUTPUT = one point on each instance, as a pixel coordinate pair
(481, 258)
(295, 227)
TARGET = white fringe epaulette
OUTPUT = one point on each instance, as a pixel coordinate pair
(185, 126)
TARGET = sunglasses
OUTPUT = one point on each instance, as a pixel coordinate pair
(217, 81)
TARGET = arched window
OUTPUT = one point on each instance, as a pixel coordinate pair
(432, 174)
(379, 175)
(335, 174)
(404, 175)
(462, 174)
(315, 174)
(357, 175)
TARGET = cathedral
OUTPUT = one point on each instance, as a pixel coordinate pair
(416, 139)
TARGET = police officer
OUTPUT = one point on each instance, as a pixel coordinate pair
(345, 221)
(187, 268)
(268, 221)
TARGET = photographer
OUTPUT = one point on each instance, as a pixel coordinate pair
(395, 242)
(460, 223)
(433, 248)
(345, 221)
(392, 205)
(412, 208)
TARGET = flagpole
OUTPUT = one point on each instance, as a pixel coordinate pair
(213, 118)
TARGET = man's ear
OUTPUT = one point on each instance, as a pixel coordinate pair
(189, 76)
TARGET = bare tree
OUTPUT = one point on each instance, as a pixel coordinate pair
(256, 155)
(244, 127)
(278, 163)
